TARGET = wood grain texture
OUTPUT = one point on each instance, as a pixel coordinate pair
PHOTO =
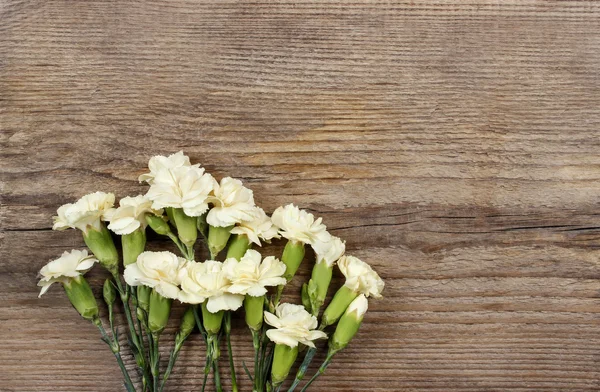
(454, 145)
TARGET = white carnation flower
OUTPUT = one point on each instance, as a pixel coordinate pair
(259, 228)
(159, 270)
(293, 325)
(207, 281)
(85, 212)
(250, 276)
(329, 251)
(159, 162)
(299, 225)
(358, 307)
(130, 215)
(233, 203)
(184, 187)
(360, 277)
(70, 265)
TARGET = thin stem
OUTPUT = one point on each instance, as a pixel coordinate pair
(155, 363)
(234, 386)
(180, 246)
(172, 359)
(116, 351)
(320, 371)
(308, 357)
(217, 375)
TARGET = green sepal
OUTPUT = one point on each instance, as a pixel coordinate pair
(283, 359)
(292, 257)
(186, 227)
(109, 292)
(158, 224)
(170, 215)
(202, 225)
(160, 309)
(82, 298)
(212, 321)
(217, 239)
(338, 305)
(133, 245)
(305, 298)
(254, 308)
(102, 246)
(187, 325)
(238, 245)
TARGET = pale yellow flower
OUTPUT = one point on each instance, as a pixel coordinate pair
(293, 325)
(329, 252)
(251, 276)
(84, 213)
(232, 203)
(360, 277)
(159, 162)
(159, 270)
(299, 225)
(260, 227)
(131, 214)
(70, 265)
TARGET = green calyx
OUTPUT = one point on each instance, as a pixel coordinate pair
(254, 308)
(238, 245)
(186, 227)
(133, 245)
(158, 224)
(283, 359)
(160, 309)
(292, 257)
(338, 305)
(318, 285)
(211, 321)
(102, 246)
(82, 298)
(344, 332)
(109, 292)
(217, 239)
(187, 325)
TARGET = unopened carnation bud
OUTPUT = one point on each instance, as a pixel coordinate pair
(102, 246)
(349, 324)
(338, 305)
(254, 308)
(133, 245)
(186, 227)
(109, 292)
(217, 238)
(306, 298)
(143, 297)
(158, 224)
(238, 245)
(293, 254)
(283, 359)
(160, 309)
(187, 325)
(82, 298)
(321, 278)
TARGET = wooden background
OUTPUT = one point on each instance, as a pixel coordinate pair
(454, 145)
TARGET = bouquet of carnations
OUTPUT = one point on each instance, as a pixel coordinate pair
(184, 203)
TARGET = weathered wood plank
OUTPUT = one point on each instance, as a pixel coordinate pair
(453, 145)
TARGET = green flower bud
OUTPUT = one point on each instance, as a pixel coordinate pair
(160, 309)
(283, 359)
(82, 298)
(143, 297)
(238, 245)
(187, 325)
(212, 321)
(102, 246)
(321, 275)
(158, 224)
(202, 225)
(338, 305)
(133, 245)
(306, 298)
(109, 293)
(217, 239)
(254, 307)
(186, 227)
(293, 254)
(349, 324)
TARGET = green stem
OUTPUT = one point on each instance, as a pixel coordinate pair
(308, 357)
(234, 387)
(116, 351)
(155, 363)
(256, 344)
(320, 371)
(217, 375)
(172, 359)
(183, 249)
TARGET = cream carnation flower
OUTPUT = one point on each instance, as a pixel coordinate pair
(159, 162)
(70, 265)
(130, 215)
(159, 270)
(250, 276)
(233, 203)
(360, 277)
(85, 212)
(293, 325)
(184, 187)
(299, 225)
(259, 228)
(208, 281)
(329, 251)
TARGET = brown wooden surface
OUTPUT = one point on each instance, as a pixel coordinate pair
(454, 145)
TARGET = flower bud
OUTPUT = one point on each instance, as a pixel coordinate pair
(158, 224)
(217, 239)
(283, 359)
(349, 324)
(102, 246)
(238, 245)
(338, 305)
(82, 298)
(188, 322)
(186, 227)
(321, 276)
(133, 245)
(160, 309)
(212, 321)
(143, 297)
(108, 292)
(254, 307)
(306, 298)
(293, 253)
